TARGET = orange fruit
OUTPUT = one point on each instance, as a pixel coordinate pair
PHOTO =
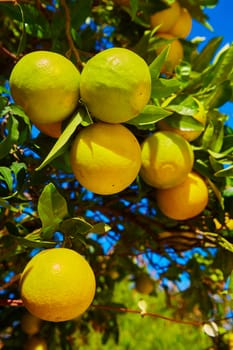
(57, 285)
(52, 129)
(185, 200)
(183, 25)
(115, 85)
(105, 158)
(35, 343)
(144, 284)
(166, 18)
(167, 158)
(46, 85)
(175, 54)
(30, 324)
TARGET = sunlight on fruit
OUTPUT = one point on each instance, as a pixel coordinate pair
(105, 158)
(184, 201)
(38, 84)
(115, 85)
(66, 288)
(167, 158)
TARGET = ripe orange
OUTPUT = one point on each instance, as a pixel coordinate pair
(175, 54)
(105, 158)
(35, 343)
(115, 85)
(46, 85)
(183, 25)
(30, 324)
(184, 201)
(57, 285)
(144, 284)
(52, 129)
(166, 18)
(188, 134)
(167, 158)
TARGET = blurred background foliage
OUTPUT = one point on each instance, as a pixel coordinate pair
(124, 236)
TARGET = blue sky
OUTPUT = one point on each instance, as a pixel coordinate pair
(220, 18)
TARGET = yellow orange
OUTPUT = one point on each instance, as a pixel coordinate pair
(115, 85)
(144, 284)
(105, 158)
(167, 158)
(184, 201)
(183, 25)
(175, 54)
(166, 18)
(57, 285)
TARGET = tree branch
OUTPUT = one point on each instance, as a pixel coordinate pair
(69, 36)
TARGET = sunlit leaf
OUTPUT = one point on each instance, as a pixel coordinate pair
(207, 54)
(63, 139)
(11, 138)
(52, 207)
(150, 115)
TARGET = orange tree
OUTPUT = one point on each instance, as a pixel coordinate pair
(124, 235)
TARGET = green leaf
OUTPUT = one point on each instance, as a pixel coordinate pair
(184, 123)
(11, 138)
(213, 135)
(64, 138)
(228, 171)
(73, 226)
(100, 228)
(6, 176)
(202, 60)
(156, 65)
(52, 207)
(150, 115)
(223, 66)
(162, 88)
(26, 242)
(220, 95)
(134, 8)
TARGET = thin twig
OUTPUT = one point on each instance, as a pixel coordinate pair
(7, 52)
(19, 302)
(69, 36)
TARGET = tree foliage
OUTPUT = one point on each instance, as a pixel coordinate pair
(122, 235)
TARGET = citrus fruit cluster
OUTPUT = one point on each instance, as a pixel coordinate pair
(115, 86)
(167, 165)
(56, 285)
(172, 23)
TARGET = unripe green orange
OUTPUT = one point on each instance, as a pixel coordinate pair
(46, 85)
